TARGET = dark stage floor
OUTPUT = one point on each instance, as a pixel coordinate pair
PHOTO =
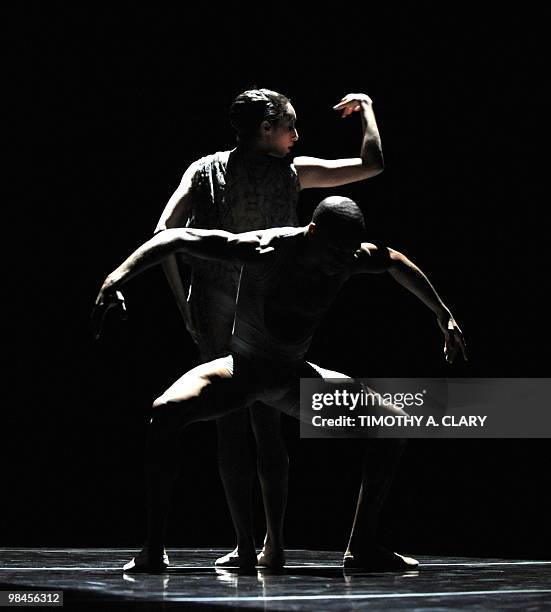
(312, 580)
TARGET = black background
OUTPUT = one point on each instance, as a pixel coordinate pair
(111, 106)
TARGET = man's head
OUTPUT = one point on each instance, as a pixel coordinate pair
(336, 231)
(264, 120)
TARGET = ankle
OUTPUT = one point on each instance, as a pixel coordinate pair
(154, 549)
(361, 545)
(273, 543)
(245, 548)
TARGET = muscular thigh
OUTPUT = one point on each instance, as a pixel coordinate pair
(208, 391)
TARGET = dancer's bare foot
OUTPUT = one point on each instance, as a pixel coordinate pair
(237, 558)
(148, 562)
(378, 559)
(271, 556)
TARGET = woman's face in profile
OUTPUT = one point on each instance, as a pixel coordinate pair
(283, 134)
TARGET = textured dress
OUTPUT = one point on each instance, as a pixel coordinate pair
(236, 191)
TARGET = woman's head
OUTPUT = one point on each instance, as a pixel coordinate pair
(264, 117)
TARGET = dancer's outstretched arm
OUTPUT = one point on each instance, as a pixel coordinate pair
(206, 244)
(373, 259)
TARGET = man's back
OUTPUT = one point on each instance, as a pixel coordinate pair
(280, 302)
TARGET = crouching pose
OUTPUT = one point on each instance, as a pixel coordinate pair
(290, 277)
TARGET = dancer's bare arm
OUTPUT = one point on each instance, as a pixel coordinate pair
(315, 172)
(370, 258)
(206, 244)
(176, 214)
(178, 207)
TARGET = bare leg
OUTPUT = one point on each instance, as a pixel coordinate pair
(273, 472)
(214, 319)
(234, 462)
(379, 468)
(206, 392)
(380, 463)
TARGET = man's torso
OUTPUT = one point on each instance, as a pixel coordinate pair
(281, 303)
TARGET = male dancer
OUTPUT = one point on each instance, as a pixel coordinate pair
(289, 278)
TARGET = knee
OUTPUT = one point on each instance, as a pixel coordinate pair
(161, 402)
(166, 403)
(269, 440)
(234, 463)
(233, 448)
(272, 465)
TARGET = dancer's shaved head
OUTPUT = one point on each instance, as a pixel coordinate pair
(339, 216)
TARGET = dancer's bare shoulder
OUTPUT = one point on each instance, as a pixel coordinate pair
(370, 258)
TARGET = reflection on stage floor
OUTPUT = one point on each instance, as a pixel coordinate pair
(311, 580)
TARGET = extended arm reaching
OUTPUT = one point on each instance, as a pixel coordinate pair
(372, 259)
(206, 244)
(413, 279)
